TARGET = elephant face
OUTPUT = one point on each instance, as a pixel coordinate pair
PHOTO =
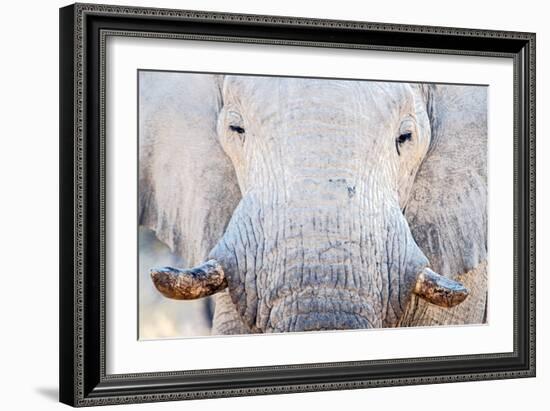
(303, 183)
(332, 131)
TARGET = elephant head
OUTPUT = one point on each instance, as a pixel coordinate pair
(313, 204)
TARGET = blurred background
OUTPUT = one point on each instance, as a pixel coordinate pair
(160, 317)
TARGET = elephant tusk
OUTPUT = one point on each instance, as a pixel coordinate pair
(201, 281)
(439, 290)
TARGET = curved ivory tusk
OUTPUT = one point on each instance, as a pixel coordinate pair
(439, 290)
(201, 281)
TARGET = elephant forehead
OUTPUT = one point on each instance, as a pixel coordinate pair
(381, 95)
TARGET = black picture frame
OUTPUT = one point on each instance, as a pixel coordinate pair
(83, 30)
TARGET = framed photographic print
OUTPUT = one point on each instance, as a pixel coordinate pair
(261, 204)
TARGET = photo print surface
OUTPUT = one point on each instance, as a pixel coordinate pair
(272, 204)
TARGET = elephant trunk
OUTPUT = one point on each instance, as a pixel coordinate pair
(209, 278)
(299, 269)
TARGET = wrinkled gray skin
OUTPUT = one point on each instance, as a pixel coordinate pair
(300, 189)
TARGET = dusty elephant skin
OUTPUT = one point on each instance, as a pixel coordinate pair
(320, 204)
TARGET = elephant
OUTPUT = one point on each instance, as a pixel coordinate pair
(312, 204)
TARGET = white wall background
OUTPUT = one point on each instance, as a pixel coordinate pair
(29, 203)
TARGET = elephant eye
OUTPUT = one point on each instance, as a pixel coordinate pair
(237, 129)
(402, 139)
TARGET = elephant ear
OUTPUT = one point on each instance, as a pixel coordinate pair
(447, 207)
(187, 186)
